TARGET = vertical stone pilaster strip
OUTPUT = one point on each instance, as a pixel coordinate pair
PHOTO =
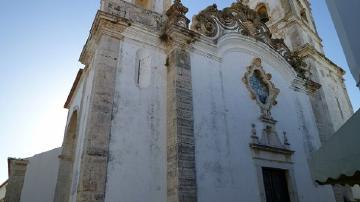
(181, 172)
(92, 182)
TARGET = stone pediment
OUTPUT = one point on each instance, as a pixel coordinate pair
(239, 18)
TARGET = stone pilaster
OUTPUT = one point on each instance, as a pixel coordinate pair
(181, 173)
(17, 170)
(181, 170)
(93, 174)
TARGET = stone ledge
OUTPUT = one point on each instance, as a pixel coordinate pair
(271, 149)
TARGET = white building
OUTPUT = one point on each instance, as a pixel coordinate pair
(222, 111)
(343, 15)
(33, 179)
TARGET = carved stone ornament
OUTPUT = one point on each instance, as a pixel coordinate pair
(269, 141)
(261, 88)
(239, 18)
(176, 15)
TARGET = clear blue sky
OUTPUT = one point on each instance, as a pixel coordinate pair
(41, 41)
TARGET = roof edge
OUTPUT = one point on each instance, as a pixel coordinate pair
(73, 88)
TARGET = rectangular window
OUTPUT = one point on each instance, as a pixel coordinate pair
(276, 186)
(138, 73)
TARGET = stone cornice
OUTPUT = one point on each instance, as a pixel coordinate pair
(177, 36)
(13, 161)
(309, 51)
(135, 14)
(104, 23)
(277, 150)
(114, 19)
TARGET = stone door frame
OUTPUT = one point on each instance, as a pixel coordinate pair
(289, 170)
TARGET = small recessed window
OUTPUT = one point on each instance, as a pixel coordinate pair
(142, 69)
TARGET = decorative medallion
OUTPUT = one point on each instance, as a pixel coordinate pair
(261, 88)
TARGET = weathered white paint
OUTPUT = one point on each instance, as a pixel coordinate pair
(40, 177)
(286, 22)
(335, 92)
(137, 162)
(224, 112)
(80, 103)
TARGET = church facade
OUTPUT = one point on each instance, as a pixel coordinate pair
(227, 109)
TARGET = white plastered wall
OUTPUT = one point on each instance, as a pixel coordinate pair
(40, 177)
(137, 161)
(224, 112)
(293, 30)
(335, 92)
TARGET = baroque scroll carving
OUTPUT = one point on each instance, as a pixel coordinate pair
(176, 15)
(239, 18)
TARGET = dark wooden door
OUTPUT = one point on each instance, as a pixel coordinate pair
(276, 187)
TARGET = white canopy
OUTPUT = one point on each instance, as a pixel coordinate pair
(338, 160)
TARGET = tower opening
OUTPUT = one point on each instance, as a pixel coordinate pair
(303, 14)
(144, 3)
(262, 11)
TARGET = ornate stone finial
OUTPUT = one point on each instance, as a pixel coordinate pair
(176, 15)
(286, 141)
(241, 19)
(245, 2)
(257, 62)
(268, 131)
(254, 137)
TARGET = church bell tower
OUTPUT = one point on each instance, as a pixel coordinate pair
(292, 20)
(289, 19)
